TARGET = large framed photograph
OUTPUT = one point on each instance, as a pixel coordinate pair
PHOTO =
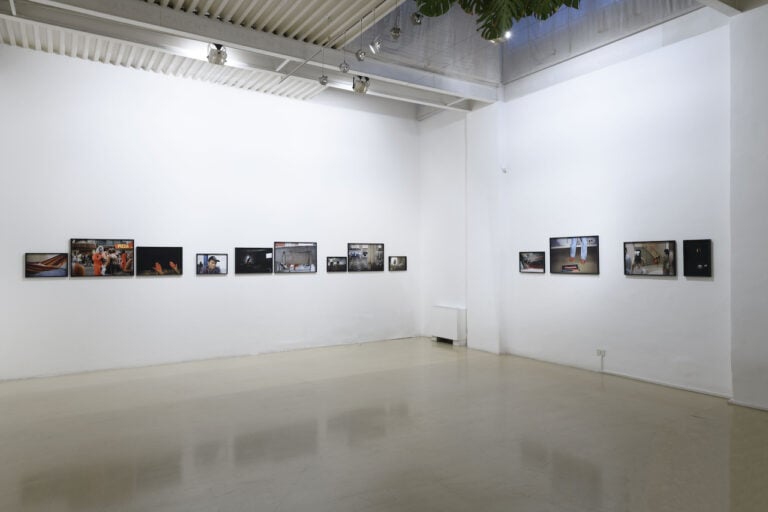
(398, 263)
(574, 255)
(532, 262)
(101, 257)
(336, 264)
(365, 257)
(159, 261)
(650, 258)
(46, 264)
(212, 264)
(295, 257)
(255, 260)
(697, 258)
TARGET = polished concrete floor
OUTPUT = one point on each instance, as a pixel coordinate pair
(406, 425)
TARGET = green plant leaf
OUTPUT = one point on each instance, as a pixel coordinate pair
(433, 8)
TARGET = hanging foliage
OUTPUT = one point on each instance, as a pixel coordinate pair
(495, 17)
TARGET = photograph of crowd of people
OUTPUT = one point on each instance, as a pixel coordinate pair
(336, 264)
(650, 258)
(158, 261)
(45, 264)
(93, 257)
(697, 258)
(256, 260)
(574, 255)
(365, 257)
(214, 264)
(295, 257)
(398, 263)
(532, 262)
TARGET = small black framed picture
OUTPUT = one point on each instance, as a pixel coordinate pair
(574, 255)
(532, 262)
(212, 264)
(336, 264)
(650, 258)
(398, 263)
(253, 260)
(159, 261)
(295, 257)
(697, 258)
(365, 257)
(46, 264)
(101, 257)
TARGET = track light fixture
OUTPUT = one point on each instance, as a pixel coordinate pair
(360, 84)
(417, 18)
(344, 66)
(394, 32)
(375, 44)
(217, 54)
(505, 37)
(360, 54)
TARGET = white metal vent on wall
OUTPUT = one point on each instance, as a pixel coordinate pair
(60, 41)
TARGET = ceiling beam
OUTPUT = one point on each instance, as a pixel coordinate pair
(147, 23)
(727, 7)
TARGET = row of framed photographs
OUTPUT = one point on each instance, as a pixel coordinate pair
(93, 257)
(581, 255)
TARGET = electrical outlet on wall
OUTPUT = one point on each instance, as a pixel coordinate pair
(601, 352)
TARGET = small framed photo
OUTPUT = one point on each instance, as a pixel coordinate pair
(295, 257)
(650, 258)
(256, 260)
(159, 261)
(365, 257)
(697, 258)
(101, 257)
(532, 262)
(212, 264)
(46, 264)
(398, 263)
(574, 255)
(336, 264)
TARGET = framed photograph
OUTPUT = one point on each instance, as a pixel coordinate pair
(295, 257)
(650, 258)
(212, 264)
(365, 257)
(46, 264)
(101, 257)
(574, 255)
(697, 258)
(532, 262)
(159, 261)
(255, 260)
(398, 263)
(336, 264)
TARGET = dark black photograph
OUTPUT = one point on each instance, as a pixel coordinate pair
(697, 258)
(336, 264)
(254, 260)
(158, 261)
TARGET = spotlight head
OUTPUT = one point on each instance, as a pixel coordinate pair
(360, 84)
(360, 54)
(395, 33)
(508, 34)
(217, 54)
(323, 79)
(375, 45)
(417, 18)
(344, 66)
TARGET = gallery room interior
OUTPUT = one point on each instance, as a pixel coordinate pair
(347, 137)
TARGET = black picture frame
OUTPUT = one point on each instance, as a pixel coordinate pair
(212, 263)
(254, 260)
(295, 257)
(159, 261)
(533, 262)
(650, 258)
(46, 264)
(697, 258)
(336, 264)
(365, 257)
(574, 255)
(101, 257)
(398, 263)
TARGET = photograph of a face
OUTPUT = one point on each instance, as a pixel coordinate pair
(574, 255)
(159, 261)
(398, 263)
(532, 262)
(255, 260)
(101, 257)
(650, 258)
(45, 264)
(211, 264)
(336, 264)
(365, 257)
(295, 257)
(697, 258)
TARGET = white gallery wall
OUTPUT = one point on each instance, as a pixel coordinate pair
(98, 151)
(749, 189)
